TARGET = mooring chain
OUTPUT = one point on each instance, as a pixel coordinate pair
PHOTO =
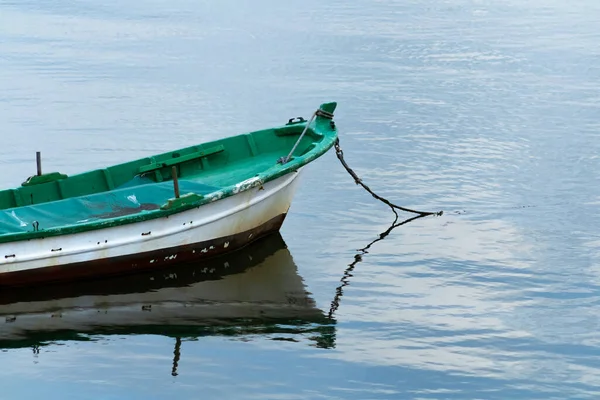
(340, 155)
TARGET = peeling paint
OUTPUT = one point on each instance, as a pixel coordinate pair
(247, 184)
(214, 196)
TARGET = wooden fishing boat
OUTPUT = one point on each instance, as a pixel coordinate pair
(191, 203)
(254, 290)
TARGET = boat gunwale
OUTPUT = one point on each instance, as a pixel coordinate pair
(321, 127)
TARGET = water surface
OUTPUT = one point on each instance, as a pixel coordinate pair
(487, 110)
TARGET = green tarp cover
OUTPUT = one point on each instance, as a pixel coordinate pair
(137, 196)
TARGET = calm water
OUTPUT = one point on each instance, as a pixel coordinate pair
(488, 110)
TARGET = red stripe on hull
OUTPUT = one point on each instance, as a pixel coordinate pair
(141, 261)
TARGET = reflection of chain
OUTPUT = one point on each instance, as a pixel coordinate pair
(339, 291)
(340, 155)
(176, 356)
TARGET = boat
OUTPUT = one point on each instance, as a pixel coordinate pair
(251, 291)
(186, 204)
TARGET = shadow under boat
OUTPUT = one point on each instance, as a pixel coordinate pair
(255, 290)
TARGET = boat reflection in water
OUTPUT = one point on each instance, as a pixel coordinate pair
(253, 291)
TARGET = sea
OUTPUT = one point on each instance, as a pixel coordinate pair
(486, 110)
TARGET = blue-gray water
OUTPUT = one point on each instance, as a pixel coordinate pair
(488, 110)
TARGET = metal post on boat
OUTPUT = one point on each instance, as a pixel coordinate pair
(175, 181)
(38, 160)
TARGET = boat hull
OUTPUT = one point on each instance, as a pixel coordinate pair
(201, 232)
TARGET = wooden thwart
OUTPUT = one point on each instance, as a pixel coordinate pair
(178, 160)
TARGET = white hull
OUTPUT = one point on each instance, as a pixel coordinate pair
(224, 218)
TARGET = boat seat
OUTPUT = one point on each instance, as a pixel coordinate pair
(155, 165)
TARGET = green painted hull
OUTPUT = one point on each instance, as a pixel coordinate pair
(54, 204)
